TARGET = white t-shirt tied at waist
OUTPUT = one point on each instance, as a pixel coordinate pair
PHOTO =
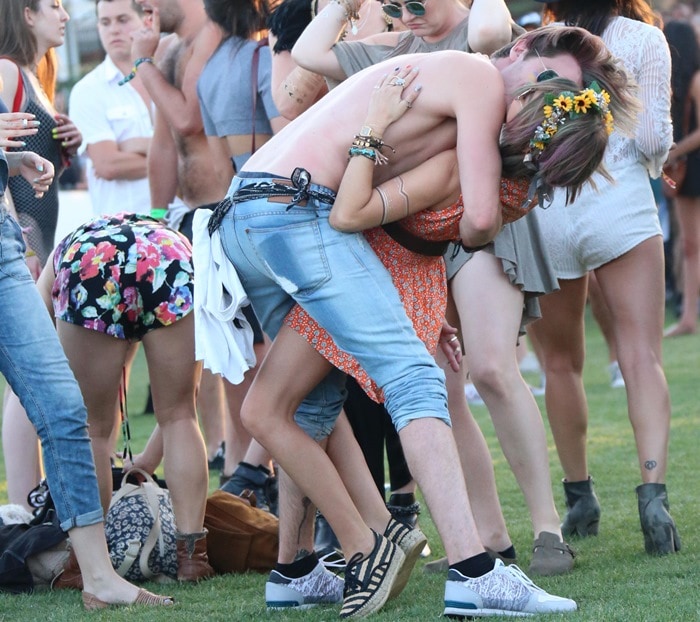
(223, 335)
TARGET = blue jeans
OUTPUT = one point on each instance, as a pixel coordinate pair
(286, 254)
(33, 362)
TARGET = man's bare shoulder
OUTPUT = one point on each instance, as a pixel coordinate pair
(455, 66)
(207, 40)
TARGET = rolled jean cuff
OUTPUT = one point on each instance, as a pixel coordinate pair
(84, 520)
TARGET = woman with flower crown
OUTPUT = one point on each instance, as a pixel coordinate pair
(613, 229)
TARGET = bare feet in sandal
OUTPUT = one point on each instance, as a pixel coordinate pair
(143, 597)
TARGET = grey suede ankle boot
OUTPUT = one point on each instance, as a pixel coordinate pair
(583, 510)
(660, 533)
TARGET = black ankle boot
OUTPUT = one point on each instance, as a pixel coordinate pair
(404, 508)
(583, 510)
(660, 533)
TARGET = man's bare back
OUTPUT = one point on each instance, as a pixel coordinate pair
(319, 139)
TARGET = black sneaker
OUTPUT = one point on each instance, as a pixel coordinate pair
(369, 580)
(248, 477)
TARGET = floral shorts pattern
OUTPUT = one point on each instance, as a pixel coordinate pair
(123, 276)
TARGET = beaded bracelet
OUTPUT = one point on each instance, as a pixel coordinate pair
(369, 141)
(132, 75)
(370, 153)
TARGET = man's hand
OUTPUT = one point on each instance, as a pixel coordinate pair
(144, 41)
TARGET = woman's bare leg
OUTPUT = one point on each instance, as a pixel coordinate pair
(97, 361)
(490, 326)
(560, 334)
(20, 446)
(290, 371)
(633, 286)
(688, 214)
(173, 374)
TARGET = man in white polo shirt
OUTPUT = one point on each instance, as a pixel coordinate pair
(116, 121)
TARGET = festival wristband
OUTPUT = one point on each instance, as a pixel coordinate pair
(159, 212)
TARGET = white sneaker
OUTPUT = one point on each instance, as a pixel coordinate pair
(616, 379)
(472, 394)
(320, 586)
(505, 591)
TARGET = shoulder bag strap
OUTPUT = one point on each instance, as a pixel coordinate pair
(254, 80)
(19, 93)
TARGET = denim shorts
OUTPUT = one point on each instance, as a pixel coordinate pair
(286, 253)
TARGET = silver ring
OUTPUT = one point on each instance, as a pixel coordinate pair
(451, 339)
(399, 81)
(24, 123)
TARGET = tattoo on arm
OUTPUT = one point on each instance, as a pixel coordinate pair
(399, 183)
(386, 204)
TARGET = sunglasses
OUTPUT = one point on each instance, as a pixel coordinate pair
(546, 74)
(395, 10)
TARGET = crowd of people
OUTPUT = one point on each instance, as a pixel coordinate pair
(404, 190)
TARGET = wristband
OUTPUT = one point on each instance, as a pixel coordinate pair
(159, 212)
(132, 75)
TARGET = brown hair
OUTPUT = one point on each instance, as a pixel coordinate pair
(575, 152)
(18, 43)
(595, 15)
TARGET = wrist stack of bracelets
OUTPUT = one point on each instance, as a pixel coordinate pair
(352, 13)
(369, 147)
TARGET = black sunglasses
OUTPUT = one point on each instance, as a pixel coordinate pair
(414, 7)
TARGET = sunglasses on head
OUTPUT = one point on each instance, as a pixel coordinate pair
(394, 9)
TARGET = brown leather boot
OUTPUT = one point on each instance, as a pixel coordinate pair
(192, 561)
(70, 577)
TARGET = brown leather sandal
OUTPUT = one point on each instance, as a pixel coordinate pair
(144, 597)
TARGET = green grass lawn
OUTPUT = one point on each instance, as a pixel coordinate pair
(614, 580)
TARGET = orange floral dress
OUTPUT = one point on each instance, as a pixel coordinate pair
(419, 279)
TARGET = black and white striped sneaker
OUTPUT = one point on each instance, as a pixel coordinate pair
(369, 580)
(411, 541)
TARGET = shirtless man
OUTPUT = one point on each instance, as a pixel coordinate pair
(180, 162)
(276, 232)
(182, 173)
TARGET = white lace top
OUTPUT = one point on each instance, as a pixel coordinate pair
(643, 50)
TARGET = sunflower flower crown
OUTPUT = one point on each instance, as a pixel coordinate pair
(569, 105)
